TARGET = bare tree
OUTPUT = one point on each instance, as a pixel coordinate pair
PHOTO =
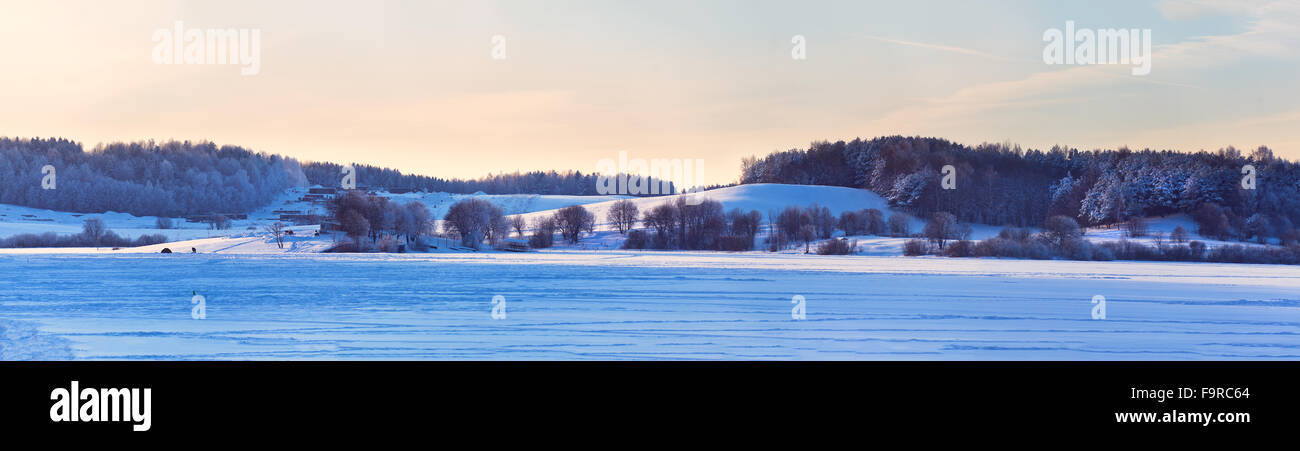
(473, 220)
(94, 230)
(1179, 235)
(572, 221)
(277, 232)
(1061, 229)
(623, 215)
(663, 219)
(355, 225)
(806, 233)
(518, 223)
(941, 228)
(415, 222)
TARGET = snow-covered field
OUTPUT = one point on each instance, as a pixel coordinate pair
(638, 305)
(591, 301)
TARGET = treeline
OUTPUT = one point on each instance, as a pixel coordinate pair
(1002, 184)
(93, 234)
(1063, 238)
(142, 178)
(573, 183)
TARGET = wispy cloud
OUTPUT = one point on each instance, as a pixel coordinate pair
(939, 47)
(1272, 35)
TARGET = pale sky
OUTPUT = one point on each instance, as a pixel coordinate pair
(413, 85)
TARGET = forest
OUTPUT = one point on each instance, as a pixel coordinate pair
(1003, 184)
(142, 178)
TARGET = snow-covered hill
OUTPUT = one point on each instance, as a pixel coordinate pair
(16, 220)
(763, 197)
(766, 198)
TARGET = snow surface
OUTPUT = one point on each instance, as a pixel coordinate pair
(638, 305)
(591, 301)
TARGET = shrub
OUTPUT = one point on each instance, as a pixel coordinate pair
(163, 223)
(149, 240)
(1232, 253)
(915, 247)
(735, 243)
(1290, 237)
(543, 233)
(636, 239)
(1060, 229)
(89, 238)
(999, 247)
(1076, 249)
(1015, 234)
(387, 243)
(1037, 251)
(899, 225)
(1102, 254)
(1211, 221)
(841, 246)
(1178, 252)
(344, 247)
(960, 248)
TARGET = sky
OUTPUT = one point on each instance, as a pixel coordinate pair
(464, 89)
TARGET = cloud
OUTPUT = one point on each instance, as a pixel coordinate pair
(1195, 9)
(939, 47)
(1272, 34)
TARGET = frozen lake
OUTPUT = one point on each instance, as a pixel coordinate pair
(564, 305)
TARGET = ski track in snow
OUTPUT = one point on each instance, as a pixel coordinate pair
(564, 305)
